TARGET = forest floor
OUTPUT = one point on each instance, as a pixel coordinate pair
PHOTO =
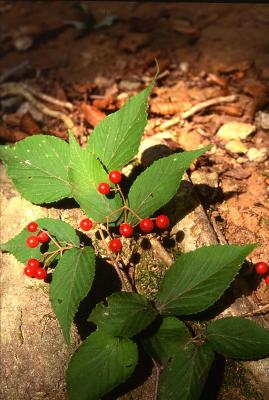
(94, 55)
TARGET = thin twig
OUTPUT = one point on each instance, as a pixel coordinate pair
(133, 212)
(124, 202)
(16, 70)
(52, 238)
(156, 385)
(49, 99)
(260, 310)
(8, 89)
(113, 212)
(195, 109)
(125, 284)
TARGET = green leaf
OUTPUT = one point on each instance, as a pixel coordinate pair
(185, 377)
(85, 173)
(115, 140)
(38, 167)
(171, 336)
(238, 338)
(101, 363)
(18, 247)
(71, 282)
(126, 314)
(197, 279)
(62, 231)
(159, 183)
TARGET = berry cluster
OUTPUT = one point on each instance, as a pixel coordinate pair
(126, 230)
(33, 268)
(262, 268)
(41, 237)
(114, 177)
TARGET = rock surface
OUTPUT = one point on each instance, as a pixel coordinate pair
(33, 353)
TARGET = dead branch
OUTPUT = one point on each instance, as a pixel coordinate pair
(195, 109)
(160, 252)
(20, 89)
(16, 70)
(48, 98)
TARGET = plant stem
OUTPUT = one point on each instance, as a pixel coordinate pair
(155, 393)
(133, 212)
(113, 212)
(125, 283)
(124, 202)
(51, 238)
(54, 252)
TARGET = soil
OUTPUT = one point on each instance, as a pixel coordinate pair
(95, 55)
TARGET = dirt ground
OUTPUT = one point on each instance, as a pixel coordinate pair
(94, 55)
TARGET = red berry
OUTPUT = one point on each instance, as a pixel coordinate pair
(126, 230)
(29, 271)
(261, 268)
(146, 225)
(32, 227)
(267, 279)
(115, 245)
(43, 237)
(86, 224)
(162, 221)
(115, 176)
(103, 188)
(40, 273)
(32, 241)
(33, 262)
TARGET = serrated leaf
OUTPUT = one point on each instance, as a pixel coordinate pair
(172, 336)
(101, 363)
(71, 282)
(154, 187)
(126, 314)
(197, 279)
(62, 231)
(237, 337)
(185, 377)
(38, 167)
(85, 174)
(18, 247)
(115, 140)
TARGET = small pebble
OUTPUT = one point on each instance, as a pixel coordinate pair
(258, 155)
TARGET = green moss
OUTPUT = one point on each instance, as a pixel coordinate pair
(149, 273)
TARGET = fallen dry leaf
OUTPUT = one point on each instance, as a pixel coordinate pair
(255, 89)
(11, 135)
(83, 87)
(169, 107)
(219, 80)
(237, 173)
(28, 124)
(12, 119)
(134, 41)
(105, 104)
(233, 110)
(92, 114)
